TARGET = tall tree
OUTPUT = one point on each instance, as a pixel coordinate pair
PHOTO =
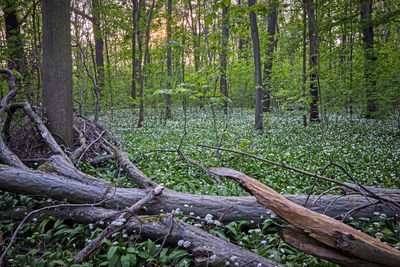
(225, 36)
(169, 52)
(142, 65)
(134, 61)
(57, 69)
(313, 61)
(257, 67)
(15, 45)
(98, 44)
(369, 66)
(272, 20)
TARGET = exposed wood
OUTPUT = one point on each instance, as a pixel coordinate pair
(59, 181)
(303, 242)
(318, 226)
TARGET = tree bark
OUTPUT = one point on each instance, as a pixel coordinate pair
(257, 68)
(134, 61)
(169, 70)
(98, 44)
(66, 183)
(206, 249)
(272, 20)
(313, 61)
(15, 46)
(341, 237)
(369, 65)
(225, 35)
(57, 69)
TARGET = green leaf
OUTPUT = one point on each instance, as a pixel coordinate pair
(226, 3)
(111, 252)
(177, 254)
(125, 261)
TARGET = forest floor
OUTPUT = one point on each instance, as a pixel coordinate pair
(369, 150)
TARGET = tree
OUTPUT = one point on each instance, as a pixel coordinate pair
(169, 51)
(15, 45)
(99, 44)
(272, 21)
(57, 69)
(369, 65)
(225, 36)
(257, 67)
(313, 61)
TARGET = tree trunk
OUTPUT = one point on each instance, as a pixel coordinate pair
(15, 46)
(169, 71)
(369, 65)
(257, 68)
(313, 61)
(134, 61)
(99, 45)
(67, 183)
(57, 69)
(272, 20)
(225, 36)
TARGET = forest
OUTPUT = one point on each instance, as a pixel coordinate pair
(199, 133)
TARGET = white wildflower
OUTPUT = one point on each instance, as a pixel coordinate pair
(186, 244)
(233, 258)
(180, 242)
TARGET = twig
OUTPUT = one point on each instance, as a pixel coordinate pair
(115, 225)
(358, 208)
(95, 89)
(87, 148)
(283, 165)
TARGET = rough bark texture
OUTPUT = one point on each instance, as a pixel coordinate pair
(272, 21)
(169, 65)
(57, 69)
(313, 61)
(326, 230)
(257, 68)
(368, 43)
(208, 250)
(15, 45)
(66, 183)
(225, 35)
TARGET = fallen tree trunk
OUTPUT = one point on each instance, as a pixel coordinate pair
(76, 187)
(206, 249)
(326, 231)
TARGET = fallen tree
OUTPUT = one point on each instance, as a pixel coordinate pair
(59, 179)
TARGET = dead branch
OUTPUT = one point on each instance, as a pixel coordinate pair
(365, 192)
(95, 89)
(207, 249)
(58, 181)
(323, 229)
(116, 225)
(6, 155)
(137, 176)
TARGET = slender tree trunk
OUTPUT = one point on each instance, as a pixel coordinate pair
(57, 69)
(313, 61)
(257, 68)
(145, 62)
(225, 36)
(303, 93)
(369, 65)
(99, 45)
(272, 20)
(134, 61)
(169, 52)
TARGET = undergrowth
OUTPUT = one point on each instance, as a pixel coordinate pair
(368, 149)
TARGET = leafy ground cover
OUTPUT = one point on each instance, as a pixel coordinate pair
(369, 150)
